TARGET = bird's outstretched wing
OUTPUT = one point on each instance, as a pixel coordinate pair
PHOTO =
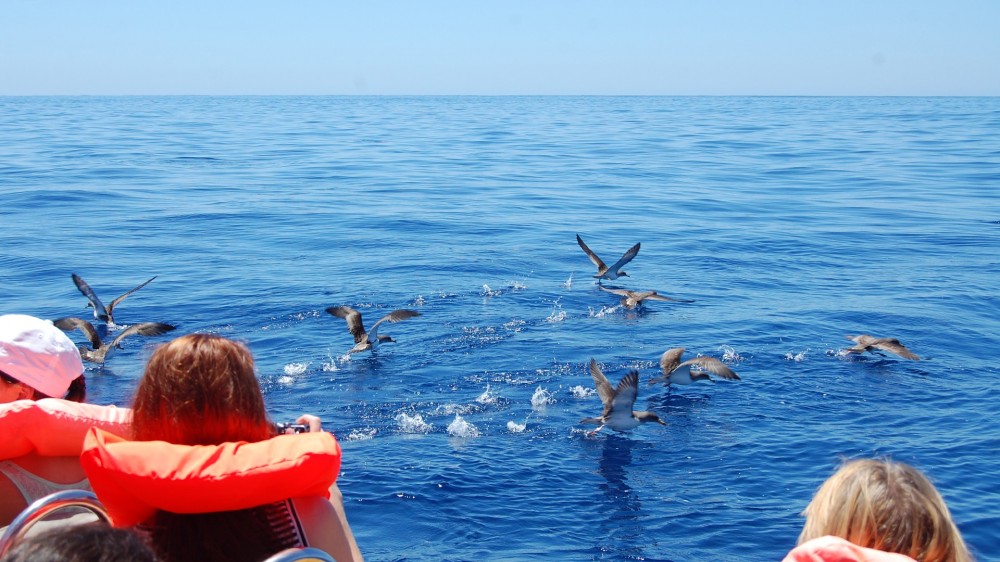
(602, 384)
(625, 394)
(142, 329)
(626, 257)
(100, 312)
(654, 296)
(114, 303)
(670, 359)
(593, 257)
(620, 292)
(394, 316)
(892, 345)
(354, 323)
(862, 341)
(713, 366)
(70, 323)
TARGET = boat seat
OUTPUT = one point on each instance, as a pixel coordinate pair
(306, 554)
(42, 507)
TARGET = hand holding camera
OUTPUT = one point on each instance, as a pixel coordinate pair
(304, 424)
(283, 427)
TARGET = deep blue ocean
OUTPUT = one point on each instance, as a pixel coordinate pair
(790, 221)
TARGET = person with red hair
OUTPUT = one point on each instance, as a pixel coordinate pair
(205, 476)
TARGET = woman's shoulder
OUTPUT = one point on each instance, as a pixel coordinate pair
(54, 427)
(135, 478)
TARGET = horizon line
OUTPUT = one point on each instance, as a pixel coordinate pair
(272, 95)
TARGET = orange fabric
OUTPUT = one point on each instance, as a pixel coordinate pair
(836, 549)
(54, 428)
(134, 479)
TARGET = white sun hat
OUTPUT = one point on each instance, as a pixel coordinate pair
(38, 354)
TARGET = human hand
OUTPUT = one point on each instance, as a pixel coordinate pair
(314, 423)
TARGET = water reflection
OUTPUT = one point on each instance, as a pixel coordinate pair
(620, 531)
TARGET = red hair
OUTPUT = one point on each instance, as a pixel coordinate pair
(200, 389)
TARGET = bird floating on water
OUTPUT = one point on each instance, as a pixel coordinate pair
(864, 343)
(98, 351)
(618, 402)
(102, 313)
(635, 299)
(694, 369)
(370, 340)
(603, 271)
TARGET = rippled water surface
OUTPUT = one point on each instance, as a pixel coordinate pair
(789, 221)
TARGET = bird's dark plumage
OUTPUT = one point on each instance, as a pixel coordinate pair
(603, 271)
(368, 340)
(864, 343)
(618, 402)
(635, 299)
(694, 369)
(101, 312)
(98, 351)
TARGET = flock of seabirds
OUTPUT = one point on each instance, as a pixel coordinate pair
(618, 400)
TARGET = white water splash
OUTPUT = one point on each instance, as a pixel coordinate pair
(449, 409)
(419, 301)
(330, 365)
(488, 396)
(557, 314)
(541, 398)
(604, 311)
(362, 434)
(581, 391)
(295, 369)
(461, 428)
(797, 357)
(514, 325)
(729, 355)
(412, 423)
(488, 292)
(515, 427)
(839, 353)
(569, 282)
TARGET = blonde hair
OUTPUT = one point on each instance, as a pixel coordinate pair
(885, 505)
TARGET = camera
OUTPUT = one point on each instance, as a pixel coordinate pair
(281, 428)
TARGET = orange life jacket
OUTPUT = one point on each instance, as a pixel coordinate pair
(134, 479)
(52, 427)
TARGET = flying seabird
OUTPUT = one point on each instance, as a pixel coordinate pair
(364, 341)
(675, 372)
(634, 299)
(864, 343)
(98, 350)
(105, 314)
(603, 271)
(618, 402)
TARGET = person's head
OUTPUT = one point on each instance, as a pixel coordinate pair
(38, 360)
(888, 506)
(200, 389)
(87, 542)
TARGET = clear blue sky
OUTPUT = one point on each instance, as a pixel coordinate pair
(712, 47)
